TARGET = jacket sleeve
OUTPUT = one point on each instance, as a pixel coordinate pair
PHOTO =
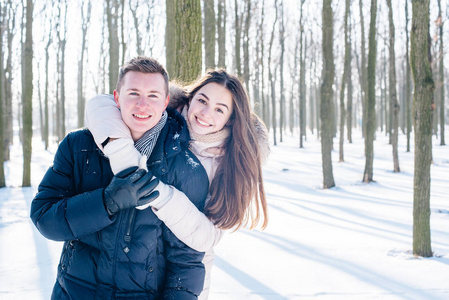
(104, 120)
(185, 270)
(189, 224)
(57, 212)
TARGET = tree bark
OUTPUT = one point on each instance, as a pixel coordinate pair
(423, 90)
(112, 9)
(327, 94)
(363, 82)
(301, 83)
(281, 71)
(371, 100)
(344, 81)
(188, 57)
(170, 36)
(81, 100)
(221, 33)
(2, 97)
(271, 78)
(238, 39)
(27, 92)
(441, 77)
(209, 33)
(393, 94)
(408, 76)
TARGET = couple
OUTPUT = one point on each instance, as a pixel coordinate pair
(168, 165)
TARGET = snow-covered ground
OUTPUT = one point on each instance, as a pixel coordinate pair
(350, 242)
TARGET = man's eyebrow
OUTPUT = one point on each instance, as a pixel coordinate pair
(138, 90)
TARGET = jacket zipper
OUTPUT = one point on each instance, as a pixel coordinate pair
(129, 227)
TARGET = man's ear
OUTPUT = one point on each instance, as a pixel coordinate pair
(116, 97)
(167, 100)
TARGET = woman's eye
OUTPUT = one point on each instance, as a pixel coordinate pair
(202, 101)
(133, 94)
(220, 110)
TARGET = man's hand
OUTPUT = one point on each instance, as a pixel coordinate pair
(130, 188)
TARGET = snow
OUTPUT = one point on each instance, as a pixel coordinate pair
(349, 242)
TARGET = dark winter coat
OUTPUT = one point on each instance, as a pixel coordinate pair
(133, 254)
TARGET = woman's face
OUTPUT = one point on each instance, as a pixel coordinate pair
(210, 109)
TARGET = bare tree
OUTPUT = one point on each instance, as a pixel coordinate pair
(10, 24)
(170, 36)
(363, 69)
(221, 33)
(281, 71)
(441, 75)
(246, 45)
(327, 94)
(209, 33)
(423, 90)
(408, 85)
(188, 55)
(302, 79)
(393, 94)
(344, 80)
(112, 15)
(2, 96)
(371, 99)
(238, 38)
(27, 95)
(85, 19)
(271, 77)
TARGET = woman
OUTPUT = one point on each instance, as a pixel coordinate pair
(231, 143)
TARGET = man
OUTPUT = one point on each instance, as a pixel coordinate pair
(113, 250)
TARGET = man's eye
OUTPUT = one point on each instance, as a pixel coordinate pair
(134, 94)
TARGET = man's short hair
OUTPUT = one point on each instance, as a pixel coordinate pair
(144, 65)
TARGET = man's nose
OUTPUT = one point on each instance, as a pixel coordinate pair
(142, 102)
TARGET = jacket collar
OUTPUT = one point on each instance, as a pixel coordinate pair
(173, 137)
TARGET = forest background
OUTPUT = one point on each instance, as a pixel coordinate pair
(324, 67)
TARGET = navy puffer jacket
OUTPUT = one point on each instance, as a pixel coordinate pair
(132, 255)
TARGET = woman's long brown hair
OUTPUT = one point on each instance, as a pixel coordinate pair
(237, 190)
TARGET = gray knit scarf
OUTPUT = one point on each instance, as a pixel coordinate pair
(146, 143)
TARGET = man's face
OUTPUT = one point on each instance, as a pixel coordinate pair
(142, 100)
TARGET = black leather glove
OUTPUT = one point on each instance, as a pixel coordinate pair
(129, 188)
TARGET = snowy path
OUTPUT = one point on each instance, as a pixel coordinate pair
(350, 242)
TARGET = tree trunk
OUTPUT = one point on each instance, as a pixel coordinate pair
(221, 33)
(423, 89)
(134, 8)
(344, 81)
(281, 71)
(81, 101)
(441, 77)
(301, 82)
(271, 78)
(2, 98)
(327, 94)
(371, 100)
(349, 90)
(27, 92)
(408, 76)
(170, 36)
(209, 33)
(238, 39)
(7, 103)
(246, 40)
(393, 94)
(364, 79)
(188, 55)
(113, 8)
